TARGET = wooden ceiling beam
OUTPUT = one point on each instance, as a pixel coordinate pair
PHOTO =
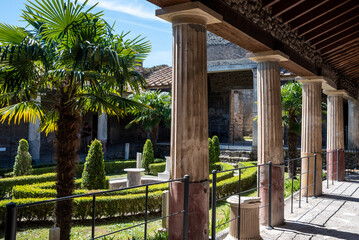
(351, 26)
(269, 3)
(348, 48)
(167, 3)
(282, 7)
(326, 18)
(340, 44)
(333, 25)
(300, 10)
(336, 38)
(316, 13)
(344, 57)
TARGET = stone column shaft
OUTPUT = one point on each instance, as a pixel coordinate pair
(335, 135)
(35, 138)
(353, 124)
(255, 113)
(102, 131)
(311, 135)
(189, 127)
(270, 133)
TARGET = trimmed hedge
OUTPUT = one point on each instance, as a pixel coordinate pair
(156, 168)
(111, 167)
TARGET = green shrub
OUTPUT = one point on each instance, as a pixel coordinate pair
(94, 176)
(217, 151)
(22, 165)
(147, 155)
(159, 160)
(211, 155)
(6, 184)
(156, 168)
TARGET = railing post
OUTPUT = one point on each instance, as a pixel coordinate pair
(315, 176)
(213, 203)
(300, 184)
(338, 165)
(270, 195)
(185, 207)
(308, 159)
(239, 204)
(10, 225)
(146, 213)
(93, 216)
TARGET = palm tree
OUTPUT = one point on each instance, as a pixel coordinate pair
(70, 57)
(291, 118)
(150, 119)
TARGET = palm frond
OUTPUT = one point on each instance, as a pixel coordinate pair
(27, 111)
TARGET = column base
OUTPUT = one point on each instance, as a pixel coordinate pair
(309, 189)
(332, 165)
(277, 200)
(198, 216)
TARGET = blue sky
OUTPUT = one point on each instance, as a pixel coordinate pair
(137, 16)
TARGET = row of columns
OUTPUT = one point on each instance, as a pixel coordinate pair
(189, 132)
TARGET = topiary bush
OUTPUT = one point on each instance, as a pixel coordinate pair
(217, 151)
(147, 155)
(156, 168)
(211, 155)
(93, 176)
(22, 165)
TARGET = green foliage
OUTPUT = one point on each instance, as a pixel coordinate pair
(211, 155)
(147, 155)
(292, 106)
(93, 176)
(22, 165)
(6, 184)
(288, 186)
(217, 151)
(156, 168)
(159, 160)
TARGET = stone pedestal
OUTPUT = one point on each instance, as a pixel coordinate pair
(335, 133)
(311, 134)
(165, 176)
(127, 151)
(249, 219)
(189, 122)
(134, 176)
(138, 160)
(165, 208)
(270, 132)
(54, 233)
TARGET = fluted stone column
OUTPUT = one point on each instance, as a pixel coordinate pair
(255, 113)
(189, 128)
(335, 134)
(353, 124)
(311, 134)
(102, 131)
(34, 137)
(270, 132)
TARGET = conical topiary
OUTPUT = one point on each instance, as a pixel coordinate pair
(217, 151)
(22, 165)
(147, 155)
(93, 175)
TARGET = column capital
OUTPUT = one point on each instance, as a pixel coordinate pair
(340, 93)
(316, 79)
(191, 12)
(268, 56)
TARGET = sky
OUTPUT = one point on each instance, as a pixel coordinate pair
(137, 16)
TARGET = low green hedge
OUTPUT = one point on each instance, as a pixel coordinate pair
(109, 206)
(156, 168)
(111, 167)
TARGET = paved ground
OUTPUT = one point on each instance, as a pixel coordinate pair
(334, 215)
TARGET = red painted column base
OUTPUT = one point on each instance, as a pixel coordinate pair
(198, 217)
(332, 165)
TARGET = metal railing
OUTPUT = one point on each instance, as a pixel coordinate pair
(291, 163)
(12, 208)
(332, 161)
(214, 198)
(351, 160)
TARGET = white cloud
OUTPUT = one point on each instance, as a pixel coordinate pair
(147, 26)
(135, 8)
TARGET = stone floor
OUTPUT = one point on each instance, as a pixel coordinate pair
(334, 215)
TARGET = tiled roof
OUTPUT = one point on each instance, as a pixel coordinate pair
(161, 78)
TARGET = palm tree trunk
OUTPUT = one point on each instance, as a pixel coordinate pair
(292, 152)
(68, 142)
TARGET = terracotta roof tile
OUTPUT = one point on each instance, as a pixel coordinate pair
(160, 78)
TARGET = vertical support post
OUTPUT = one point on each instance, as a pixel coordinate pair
(213, 203)
(146, 213)
(10, 224)
(308, 159)
(338, 165)
(315, 176)
(239, 203)
(291, 197)
(300, 184)
(270, 195)
(185, 207)
(326, 168)
(258, 180)
(93, 216)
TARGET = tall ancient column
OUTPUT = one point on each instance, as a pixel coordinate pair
(34, 137)
(189, 129)
(311, 134)
(255, 113)
(270, 132)
(353, 124)
(102, 131)
(335, 134)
